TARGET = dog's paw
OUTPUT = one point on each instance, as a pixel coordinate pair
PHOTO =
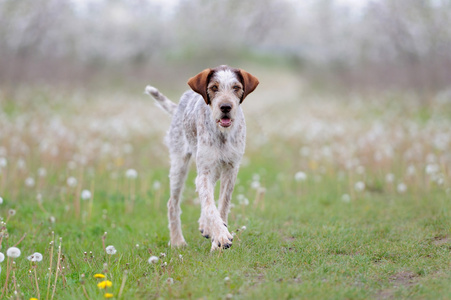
(221, 237)
(178, 243)
(204, 228)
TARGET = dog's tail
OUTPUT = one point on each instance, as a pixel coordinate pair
(162, 101)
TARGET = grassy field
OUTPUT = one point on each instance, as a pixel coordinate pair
(337, 198)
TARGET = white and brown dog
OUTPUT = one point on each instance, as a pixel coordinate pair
(208, 123)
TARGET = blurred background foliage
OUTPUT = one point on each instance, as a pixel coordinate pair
(379, 44)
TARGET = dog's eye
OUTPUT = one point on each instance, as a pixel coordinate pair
(236, 88)
(214, 88)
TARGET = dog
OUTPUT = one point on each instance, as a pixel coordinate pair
(207, 123)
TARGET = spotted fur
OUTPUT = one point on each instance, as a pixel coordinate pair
(207, 123)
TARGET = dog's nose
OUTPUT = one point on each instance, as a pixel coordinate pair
(225, 108)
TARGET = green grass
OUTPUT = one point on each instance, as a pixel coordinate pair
(304, 240)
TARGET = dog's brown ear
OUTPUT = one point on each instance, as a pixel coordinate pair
(199, 83)
(250, 82)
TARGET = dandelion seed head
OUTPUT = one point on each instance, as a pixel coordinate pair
(38, 256)
(39, 198)
(1, 200)
(162, 255)
(169, 280)
(242, 200)
(432, 169)
(131, 173)
(86, 194)
(243, 227)
(71, 181)
(153, 260)
(110, 250)
(29, 182)
(12, 212)
(13, 252)
(21, 164)
(255, 184)
(401, 188)
(346, 198)
(359, 186)
(52, 219)
(42, 172)
(390, 177)
(156, 185)
(227, 279)
(300, 176)
(3, 162)
(411, 170)
(2, 257)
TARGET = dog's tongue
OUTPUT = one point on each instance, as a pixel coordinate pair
(226, 122)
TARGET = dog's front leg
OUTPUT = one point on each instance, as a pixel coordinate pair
(228, 178)
(211, 224)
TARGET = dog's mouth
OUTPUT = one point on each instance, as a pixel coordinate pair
(225, 122)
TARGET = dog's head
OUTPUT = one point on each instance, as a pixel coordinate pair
(223, 89)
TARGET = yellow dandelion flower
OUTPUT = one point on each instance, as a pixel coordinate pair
(104, 284)
(99, 276)
(108, 295)
(33, 298)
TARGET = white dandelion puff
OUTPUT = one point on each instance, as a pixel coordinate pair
(242, 200)
(35, 257)
(359, 186)
(169, 280)
(401, 188)
(3, 162)
(110, 250)
(411, 170)
(390, 177)
(71, 181)
(12, 212)
(432, 168)
(1, 200)
(346, 198)
(156, 185)
(2, 257)
(255, 184)
(13, 252)
(29, 182)
(300, 176)
(86, 194)
(152, 260)
(42, 172)
(227, 279)
(131, 174)
(243, 227)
